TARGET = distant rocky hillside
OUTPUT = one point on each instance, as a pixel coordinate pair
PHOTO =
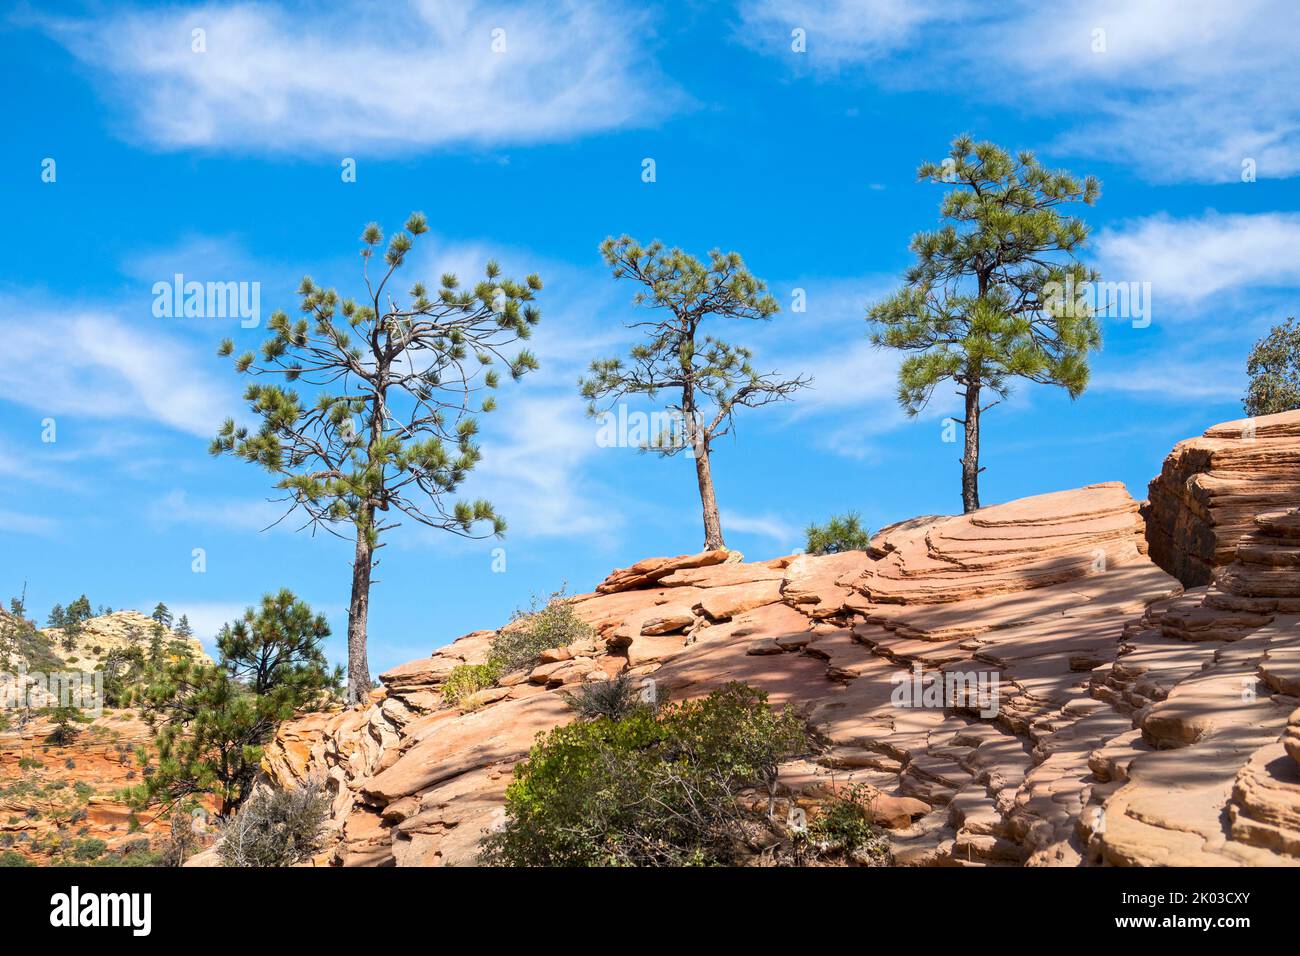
(1136, 722)
(62, 802)
(120, 630)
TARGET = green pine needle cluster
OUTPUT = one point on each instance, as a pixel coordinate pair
(983, 303)
(707, 378)
(840, 533)
(396, 385)
(212, 721)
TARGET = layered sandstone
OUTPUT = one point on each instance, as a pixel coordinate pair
(63, 802)
(1210, 489)
(1122, 719)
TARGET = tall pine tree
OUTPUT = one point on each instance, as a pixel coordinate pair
(388, 430)
(996, 293)
(708, 379)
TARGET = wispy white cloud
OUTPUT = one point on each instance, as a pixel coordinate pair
(394, 77)
(89, 362)
(1187, 260)
(764, 525)
(534, 472)
(837, 32)
(15, 522)
(179, 507)
(1183, 89)
(1175, 378)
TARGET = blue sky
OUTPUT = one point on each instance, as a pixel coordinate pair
(225, 165)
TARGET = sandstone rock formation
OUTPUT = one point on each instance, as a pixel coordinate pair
(1021, 685)
(57, 801)
(1211, 488)
(117, 631)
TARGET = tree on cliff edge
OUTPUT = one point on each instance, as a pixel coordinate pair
(389, 430)
(1274, 371)
(708, 378)
(996, 293)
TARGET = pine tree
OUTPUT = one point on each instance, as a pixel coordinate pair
(57, 616)
(157, 652)
(79, 610)
(65, 729)
(162, 615)
(708, 378)
(1274, 371)
(213, 720)
(412, 375)
(183, 628)
(996, 293)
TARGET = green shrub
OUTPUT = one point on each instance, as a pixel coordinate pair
(845, 828)
(615, 699)
(90, 849)
(1274, 371)
(275, 827)
(13, 858)
(65, 719)
(135, 853)
(652, 789)
(530, 632)
(212, 721)
(841, 533)
(518, 646)
(466, 679)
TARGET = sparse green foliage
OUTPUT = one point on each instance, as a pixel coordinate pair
(275, 827)
(845, 827)
(162, 615)
(708, 379)
(541, 627)
(612, 699)
(518, 645)
(840, 533)
(996, 293)
(467, 679)
(389, 430)
(88, 850)
(79, 610)
(65, 729)
(216, 719)
(124, 674)
(1274, 371)
(652, 789)
(20, 640)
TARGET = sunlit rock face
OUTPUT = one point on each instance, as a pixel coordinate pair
(1029, 684)
(1211, 488)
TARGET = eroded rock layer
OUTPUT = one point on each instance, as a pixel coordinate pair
(1021, 685)
(1210, 489)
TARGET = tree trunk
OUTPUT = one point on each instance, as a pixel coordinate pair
(358, 611)
(708, 501)
(970, 463)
